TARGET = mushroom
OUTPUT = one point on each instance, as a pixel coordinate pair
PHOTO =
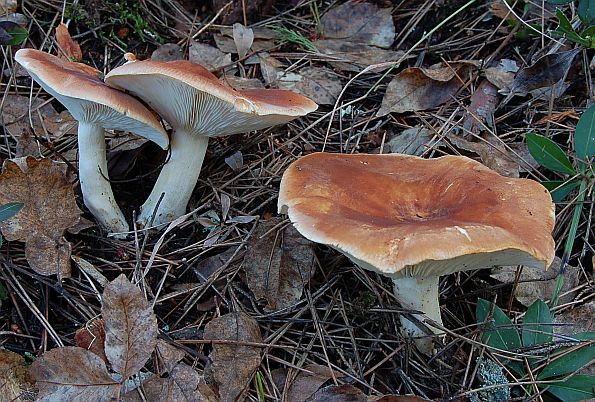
(197, 106)
(96, 106)
(415, 219)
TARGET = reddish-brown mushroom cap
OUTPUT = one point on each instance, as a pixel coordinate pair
(402, 215)
(90, 99)
(188, 95)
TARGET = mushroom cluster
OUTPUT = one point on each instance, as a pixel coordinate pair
(415, 219)
(186, 95)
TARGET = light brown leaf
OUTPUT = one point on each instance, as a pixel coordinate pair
(278, 264)
(303, 385)
(339, 393)
(425, 88)
(72, 50)
(352, 56)
(502, 74)
(92, 337)
(319, 84)
(233, 365)
(538, 283)
(360, 22)
(130, 326)
(15, 382)
(50, 208)
(72, 374)
(15, 114)
(243, 38)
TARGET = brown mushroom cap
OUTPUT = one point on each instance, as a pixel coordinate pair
(403, 215)
(188, 96)
(88, 98)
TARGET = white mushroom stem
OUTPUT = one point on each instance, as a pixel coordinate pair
(420, 294)
(176, 180)
(93, 176)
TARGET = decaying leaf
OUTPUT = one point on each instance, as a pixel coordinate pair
(241, 83)
(208, 56)
(243, 38)
(412, 141)
(233, 365)
(319, 84)
(359, 22)
(397, 398)
(545, 72)
(130, 326)
(537, 284)
(169, 356)
(235, 161)
(15, 382)
(15, 114)
(61, 124)
(508, 160)
(168, 52)
(92, 337)
(339, 393)
(480, 112)
(50, 208)
(181, 385)
(303, 385)
(425, 88)
(70, 48)
(578, 319)
(71, 373)
(351, 56)
(8, 6)
(278, 263)
(502, 74)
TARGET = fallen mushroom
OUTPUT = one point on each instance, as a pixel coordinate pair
(96, 106)
(197, 106)
(415, 219)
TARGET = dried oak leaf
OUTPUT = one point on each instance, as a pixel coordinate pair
(338, 393)
(15, 381)
(419, 88)
(360, 22)
(302, 384)
(130, 326)
(92, 337)
(545, 72)
(352, 56)
(72, 374)
(50, 208)
(71, 48)
(232, 364)
(278, 264)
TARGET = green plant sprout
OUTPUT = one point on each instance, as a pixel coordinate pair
(553, 362)
(288, 35)
(586, 13)
(581, 175)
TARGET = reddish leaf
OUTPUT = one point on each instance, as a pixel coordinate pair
(72, 50)
(92, 337)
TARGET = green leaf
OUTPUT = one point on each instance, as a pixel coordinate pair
(12, 33)
(577, 388)
(9, 210)
(499, 332)
(565, 24)
(549, 154)
(584, 138)
(571, 361)
(560, 189)
(586, 11)
(537, 325)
